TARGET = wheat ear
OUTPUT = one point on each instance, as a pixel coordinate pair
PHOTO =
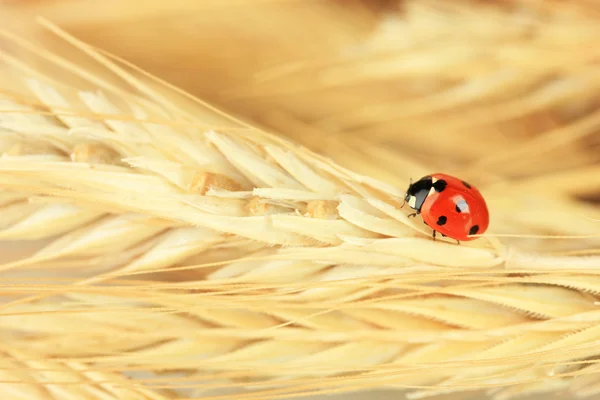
(189, 245)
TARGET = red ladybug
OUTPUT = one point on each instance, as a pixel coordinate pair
(449, 206)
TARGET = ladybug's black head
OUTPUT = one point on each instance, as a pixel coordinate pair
(418, 191)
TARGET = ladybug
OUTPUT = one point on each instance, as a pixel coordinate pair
(449, 206)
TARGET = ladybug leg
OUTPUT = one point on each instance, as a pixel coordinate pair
(412, 215)
(434, 232)
(457, 241)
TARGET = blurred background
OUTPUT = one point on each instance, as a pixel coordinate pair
(501, 92)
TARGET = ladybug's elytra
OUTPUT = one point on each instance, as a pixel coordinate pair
(449, 206)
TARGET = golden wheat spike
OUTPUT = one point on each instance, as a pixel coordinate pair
(64, 380)
(220, 256)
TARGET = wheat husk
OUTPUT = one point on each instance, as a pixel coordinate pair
(187, 250)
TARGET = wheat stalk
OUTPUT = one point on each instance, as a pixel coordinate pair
(188, 244)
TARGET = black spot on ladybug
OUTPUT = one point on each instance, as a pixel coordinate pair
(466, 185)
(440, 185)
(442, 220)
(474, 229)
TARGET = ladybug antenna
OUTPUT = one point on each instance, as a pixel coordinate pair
(406, 194)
